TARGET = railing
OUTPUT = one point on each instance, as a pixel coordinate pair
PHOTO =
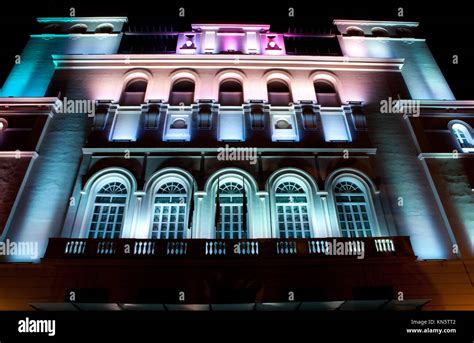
(332, 248)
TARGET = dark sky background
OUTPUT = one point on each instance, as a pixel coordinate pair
(447, 26)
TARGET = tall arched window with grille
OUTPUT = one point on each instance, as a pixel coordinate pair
(463, 136)
(108, 211)
(292, 210)
(353, 208)
(231, 223)
(170, 211)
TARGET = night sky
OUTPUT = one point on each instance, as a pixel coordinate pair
(447, 27)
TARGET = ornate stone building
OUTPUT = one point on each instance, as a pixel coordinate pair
(233, 167)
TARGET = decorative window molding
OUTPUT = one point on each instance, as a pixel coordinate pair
(284, 126)
(178, 126)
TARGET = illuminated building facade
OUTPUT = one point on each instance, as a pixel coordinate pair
(214, 168)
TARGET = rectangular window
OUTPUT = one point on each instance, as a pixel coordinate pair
(335, 126)
(169, 219)
(231, 125)
(125, 125)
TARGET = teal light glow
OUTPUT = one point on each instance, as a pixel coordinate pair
(422, 75)
(80, 19)
(32, 76)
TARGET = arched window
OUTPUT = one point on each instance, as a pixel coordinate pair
(404, 32)
(52, 28)
(463, 136)
(352, 208)
(78, 28)
(170, 211)
(134, 93)
(279, 93)
(108, 211)
(182, 93)
(230, 199)
(326, 94)
(231, 93)
(105, 28)
(355, 31)
(292, 210)
(379, 32)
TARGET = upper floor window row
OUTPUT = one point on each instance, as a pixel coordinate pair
(80, 28)
(231, 124)
(231, 93)
(399, 32)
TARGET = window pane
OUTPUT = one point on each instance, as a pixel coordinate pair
(231, 126)
(335, 127)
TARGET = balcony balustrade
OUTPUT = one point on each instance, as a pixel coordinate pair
(325, 248)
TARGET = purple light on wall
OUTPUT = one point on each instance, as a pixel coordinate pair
(231, 42)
